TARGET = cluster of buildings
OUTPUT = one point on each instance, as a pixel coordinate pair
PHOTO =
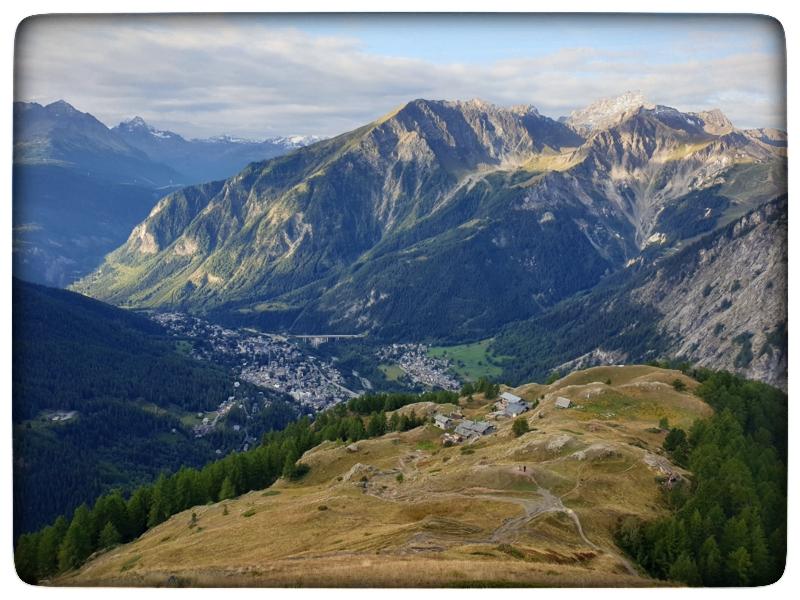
(61, 415)
(265, 360)
(510, 405)
(209, 423)
(249, 407)
(457, 428)
(420, 367)
(312, 383)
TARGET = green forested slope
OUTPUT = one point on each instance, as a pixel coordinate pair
(729, 524)
(128, 386)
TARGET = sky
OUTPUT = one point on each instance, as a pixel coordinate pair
(262, 75)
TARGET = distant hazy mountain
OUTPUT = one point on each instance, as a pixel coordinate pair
(444, 220)
(60, 135)
(80, 187)
(204, 159)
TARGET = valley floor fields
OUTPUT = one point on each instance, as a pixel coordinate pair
(470, 361)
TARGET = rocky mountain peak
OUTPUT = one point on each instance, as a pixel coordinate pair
(606, 112)
(62, 108)
(716, 122)
(136, 122)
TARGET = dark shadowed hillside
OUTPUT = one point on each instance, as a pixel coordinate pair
(98, 397)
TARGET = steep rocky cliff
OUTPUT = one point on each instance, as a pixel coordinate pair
(721, 302)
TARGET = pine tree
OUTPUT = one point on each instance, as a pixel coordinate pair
(185, 489)
(695, 531)
(710, 560)
(26, 557)
(738, 567)
(356, 430)
(47, 556)
(117, 514)
(684, 569)
(376, 425)
(138, 511)
(759, 551)
(237, 473)
(161, 502)
(77, 544)
(520, 426)
(49, 543)
(228, 491)
(734, 535)
(109, 536)
(394, 422)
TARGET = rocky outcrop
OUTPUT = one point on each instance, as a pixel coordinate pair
(725, 304)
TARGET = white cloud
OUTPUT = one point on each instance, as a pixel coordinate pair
(208, 75)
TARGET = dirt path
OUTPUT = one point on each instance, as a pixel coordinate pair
(540, 502)
(548, 502)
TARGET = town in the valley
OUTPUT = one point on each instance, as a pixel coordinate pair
(287, 364)
(421, 368)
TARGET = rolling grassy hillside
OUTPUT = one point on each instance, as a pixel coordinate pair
(401, 510)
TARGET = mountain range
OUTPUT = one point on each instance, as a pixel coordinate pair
(204, 159)
(448, 220)
(80, 187)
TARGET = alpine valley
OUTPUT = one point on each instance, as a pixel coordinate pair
(461, 345)
(628, 231)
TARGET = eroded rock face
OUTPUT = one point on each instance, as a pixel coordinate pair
(719, 302)
(727, 308)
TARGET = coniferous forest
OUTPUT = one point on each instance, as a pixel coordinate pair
(72, 353)
(728, 524)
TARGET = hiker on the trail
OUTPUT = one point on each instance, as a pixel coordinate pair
(524, 468)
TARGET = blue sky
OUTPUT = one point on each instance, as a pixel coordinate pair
(317, 74)
(464, 38)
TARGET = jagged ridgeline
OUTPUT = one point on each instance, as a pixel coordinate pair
(444, 220)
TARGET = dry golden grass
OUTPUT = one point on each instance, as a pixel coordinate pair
(455, 519)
